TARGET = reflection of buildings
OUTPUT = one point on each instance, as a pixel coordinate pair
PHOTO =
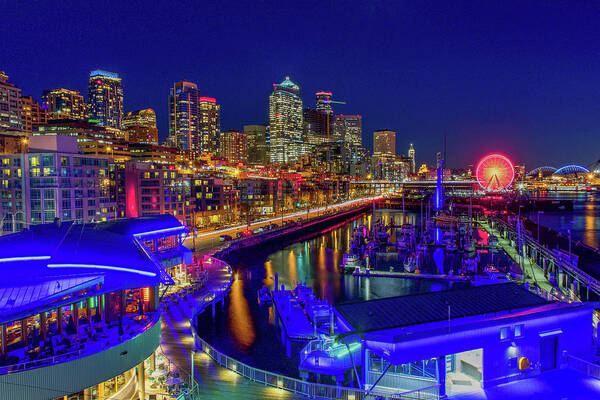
(90, 318)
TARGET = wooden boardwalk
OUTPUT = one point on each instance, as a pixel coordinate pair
(177, 343)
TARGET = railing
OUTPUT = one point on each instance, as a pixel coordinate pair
(585, 367)
(310, 389)
(25, 365)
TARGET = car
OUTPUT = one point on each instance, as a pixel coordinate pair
(225, 238)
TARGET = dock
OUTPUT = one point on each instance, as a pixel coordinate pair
(291, 320)
(394, 274)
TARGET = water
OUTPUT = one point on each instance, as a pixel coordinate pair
(585, 217)
(246, 330)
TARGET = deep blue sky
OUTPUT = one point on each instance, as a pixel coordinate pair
(521, 79)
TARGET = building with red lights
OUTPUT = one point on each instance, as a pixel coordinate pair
(105, 96)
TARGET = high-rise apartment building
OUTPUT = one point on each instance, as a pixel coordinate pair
(234, 146)
(184, 117)
(348, 128)
(256, 143)
(285, 122)
(317, 123)
(323, 102)
(210, 124)
(32, 114)
(105, 96)
(53, 181)
(384, 144)
(64, 104)
(10, 108)
(140, 126)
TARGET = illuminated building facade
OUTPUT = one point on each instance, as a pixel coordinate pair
(64, 104)
(184, 117)
(141, 126)
(10, 108)
(286, 123)
(53, 181)
(234, 146)
(323, 102)
(216, 202)
(384, 144)
(32, 114)
(411, 156)
(105, 96)
(257, 144)
(210, 124)
(348, 128)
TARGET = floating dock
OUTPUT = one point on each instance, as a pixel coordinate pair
(394, 274)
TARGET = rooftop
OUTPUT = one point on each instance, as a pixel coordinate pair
(396, 312)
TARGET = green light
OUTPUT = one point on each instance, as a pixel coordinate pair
(345, 351)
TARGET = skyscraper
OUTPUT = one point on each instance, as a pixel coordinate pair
(233, 146)
(64, 104)
(256, 139)
(105, 96)
(323, 102)
(32, 114)
(384, 144)
(411, 155)
(10, 109)
(141, 126)
(348, 128)
(285, 122)
(210, 124)
(184, 117)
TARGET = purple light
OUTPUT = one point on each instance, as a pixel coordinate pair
(160, 231)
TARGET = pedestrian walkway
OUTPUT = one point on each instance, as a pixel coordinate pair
(214, 382)
(533, 272)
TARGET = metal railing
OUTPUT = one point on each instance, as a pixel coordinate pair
(25, 365)
(310, 389)
(583, 366)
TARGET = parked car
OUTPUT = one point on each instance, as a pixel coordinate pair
(225, 238)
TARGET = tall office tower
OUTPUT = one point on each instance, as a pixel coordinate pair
(317, 124)
(411, 155)
(10, 109)
(285, 122)
(348, 128)
(141, 126)
(32, 114)
(105, 96)
(234, 146)
(256, 142)
(210, 124)
(64, 104)
(184, 117)
(384, 144)
(323, 102)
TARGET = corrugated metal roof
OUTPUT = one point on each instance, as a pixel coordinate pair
(394, 312)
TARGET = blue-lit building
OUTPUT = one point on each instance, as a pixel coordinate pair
(451, 341)
(79, 305)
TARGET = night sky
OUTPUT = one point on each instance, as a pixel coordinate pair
(522, 79)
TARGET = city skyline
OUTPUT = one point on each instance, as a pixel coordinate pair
(510, 89)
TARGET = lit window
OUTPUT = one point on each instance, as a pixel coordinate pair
(519, 330)
(503, 333)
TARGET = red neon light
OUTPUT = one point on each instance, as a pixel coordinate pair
(207, 100)
(495, 172)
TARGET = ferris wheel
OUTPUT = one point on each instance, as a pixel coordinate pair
(495, 173)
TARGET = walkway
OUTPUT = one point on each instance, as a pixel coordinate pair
(532, 271)
(178, 342)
